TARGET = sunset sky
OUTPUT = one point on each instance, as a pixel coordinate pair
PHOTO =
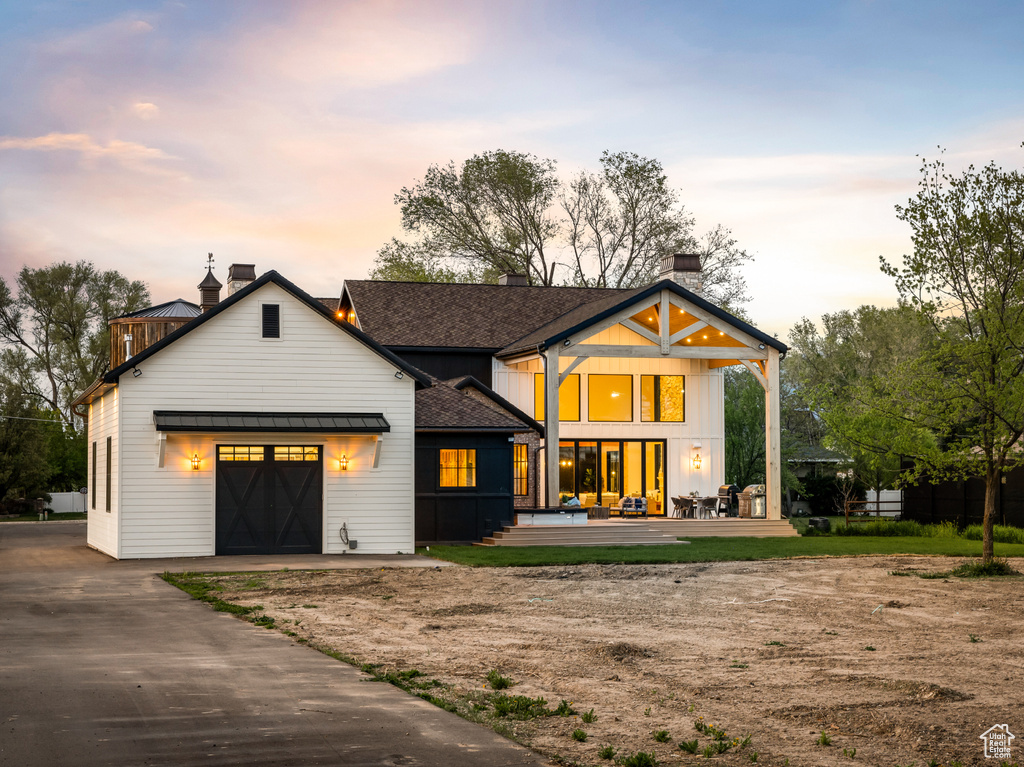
(143, 135)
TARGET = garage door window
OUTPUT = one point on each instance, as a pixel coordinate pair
(296, 453)
(240, 452)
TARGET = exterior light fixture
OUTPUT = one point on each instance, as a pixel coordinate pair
(696, 461)
(566, 342)
(760, 346)
(196, 462)
(343, 462)
(136, 372)
(399, 375)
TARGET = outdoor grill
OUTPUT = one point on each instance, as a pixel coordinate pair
(728, 500)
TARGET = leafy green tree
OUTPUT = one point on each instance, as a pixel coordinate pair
(24, 447)
(966, 277)
(508, 212)
(54, 328)
(843, 371)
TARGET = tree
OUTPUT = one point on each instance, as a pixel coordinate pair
(508, 212)
(24, 446)
(843, 371)
(966, 278)
(55, 330)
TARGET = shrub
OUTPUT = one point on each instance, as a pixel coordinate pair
(662, 736)
(579, 735)
(689, 746)
(1000, 533)
(564, 709)
(589, 717)
(520, 706)
(607, 753)
(497, 681)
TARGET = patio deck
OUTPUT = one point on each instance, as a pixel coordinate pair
(637, 532)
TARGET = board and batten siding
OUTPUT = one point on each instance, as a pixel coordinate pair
(226, 365)
(102, 525)
(704, 402)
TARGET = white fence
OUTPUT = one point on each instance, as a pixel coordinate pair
(66, 503)
(890, 506)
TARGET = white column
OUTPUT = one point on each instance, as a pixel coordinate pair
(551, 425)
(773, 435)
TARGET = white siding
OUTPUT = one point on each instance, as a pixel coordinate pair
(705, 410)
(102, 525)
(226, 365)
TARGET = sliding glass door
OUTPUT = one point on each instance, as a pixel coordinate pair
(600, 473)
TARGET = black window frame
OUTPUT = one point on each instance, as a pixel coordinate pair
(94, 455)
(110, 452)
(656, 405)
(520, 469)
(632, 397)
(599, 443)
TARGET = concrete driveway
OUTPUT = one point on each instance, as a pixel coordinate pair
(102, 663)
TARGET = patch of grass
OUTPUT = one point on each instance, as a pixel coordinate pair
(753, 756)
(310, 607)
(974, 638)
(824, 739)
(607, 753)
(579, 736)
(997, 568)
(589, 717)
(715, 550)
(869, 648)
(1000, 533)
(519, 707)
(564, 709)
(497, 681)
(774, 643)
(737, 664)
(639, 759)
(662, 736)
(689, 746)
(851, 753)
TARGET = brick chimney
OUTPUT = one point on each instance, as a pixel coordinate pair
(240, 275)
(209, 289)
(684, 270)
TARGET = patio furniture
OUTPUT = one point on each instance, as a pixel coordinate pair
(598, 512)
(634, 507)
(708, 508)
(682, 507)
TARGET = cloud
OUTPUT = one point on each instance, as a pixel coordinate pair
(127, 153)
(144, 110)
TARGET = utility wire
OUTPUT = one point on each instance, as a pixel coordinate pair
(40, 420)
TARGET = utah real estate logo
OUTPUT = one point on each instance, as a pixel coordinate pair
(997, 741)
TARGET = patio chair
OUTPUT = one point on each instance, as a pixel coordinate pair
(682, 507)
(709, 508)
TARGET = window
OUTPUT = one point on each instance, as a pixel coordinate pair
(296, 453)
(240, 453)
(662, 398)
(109, 454)
(94, 474)
(271, 320)
(611, 397)
(568, 397)
(520, 469)
(458, 468)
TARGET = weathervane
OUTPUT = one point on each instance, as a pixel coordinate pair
(209, 261)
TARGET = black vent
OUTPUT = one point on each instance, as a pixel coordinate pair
(271, 321)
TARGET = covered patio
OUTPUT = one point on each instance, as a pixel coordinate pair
(616, 449)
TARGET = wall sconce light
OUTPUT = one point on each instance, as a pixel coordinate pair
(136, 372)
(696, 461)
(343, 462)
(399, 375)
(196, 462)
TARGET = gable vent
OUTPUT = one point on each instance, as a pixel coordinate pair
(271, 320)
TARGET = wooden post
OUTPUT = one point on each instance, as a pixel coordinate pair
(773, 435)
(551, 376)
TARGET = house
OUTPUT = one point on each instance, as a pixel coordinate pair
(637, 406)
(404, 413)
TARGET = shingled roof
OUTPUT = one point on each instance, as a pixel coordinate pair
(442, 407)
(418, 314)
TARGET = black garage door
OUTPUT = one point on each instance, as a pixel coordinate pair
(269, 499)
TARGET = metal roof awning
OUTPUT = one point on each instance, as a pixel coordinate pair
(320, 423)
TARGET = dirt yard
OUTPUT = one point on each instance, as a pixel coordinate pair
(902, 669)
